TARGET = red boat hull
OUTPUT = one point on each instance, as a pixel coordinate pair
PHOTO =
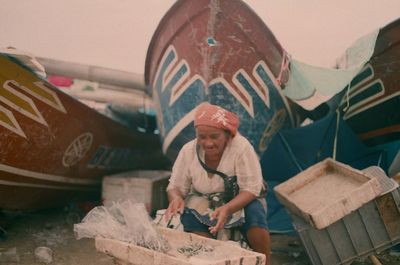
(55, 149)
(223, 53)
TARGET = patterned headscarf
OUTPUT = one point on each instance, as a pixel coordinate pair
(216, 116)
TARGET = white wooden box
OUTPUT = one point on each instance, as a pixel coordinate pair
(207, 251)
(141, 186)
(326, 192)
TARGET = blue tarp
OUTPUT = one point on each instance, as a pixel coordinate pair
(292, 151)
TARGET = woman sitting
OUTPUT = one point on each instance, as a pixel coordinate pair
(219, 147)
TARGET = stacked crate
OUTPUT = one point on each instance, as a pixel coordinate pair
(141, 186)
(340, 213)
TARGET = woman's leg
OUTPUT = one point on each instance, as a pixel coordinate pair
(255, 228)
(259, 240)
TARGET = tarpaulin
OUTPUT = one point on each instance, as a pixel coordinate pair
(292, 151)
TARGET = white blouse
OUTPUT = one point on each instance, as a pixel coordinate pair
(239, 158)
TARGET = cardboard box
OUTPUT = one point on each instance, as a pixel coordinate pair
(184, 249)
(326, 192)
(142, 186)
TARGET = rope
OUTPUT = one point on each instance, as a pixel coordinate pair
(284, 66)
(336, 134)
(290, 152)
(347, 99)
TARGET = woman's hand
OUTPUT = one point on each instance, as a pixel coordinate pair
(221, 214)
(175, 206)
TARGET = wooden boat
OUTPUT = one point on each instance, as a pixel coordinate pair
(55, 149)
(371, 106)
(220, 52)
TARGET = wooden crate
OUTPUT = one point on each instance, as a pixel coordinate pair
(142, 186)
(369, 230)
(326, 192)
(185, 248)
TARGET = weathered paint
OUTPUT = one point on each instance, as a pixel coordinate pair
(371, 104)
(220, 52)
(53, 148)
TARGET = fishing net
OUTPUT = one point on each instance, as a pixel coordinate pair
(124, 221)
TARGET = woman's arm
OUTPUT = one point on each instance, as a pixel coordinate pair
(179, 183)
(249, 177)
(176, 203)
(234, 205)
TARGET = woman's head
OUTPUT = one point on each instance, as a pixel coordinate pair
(215, 127)
(217, 117)
(212, 140)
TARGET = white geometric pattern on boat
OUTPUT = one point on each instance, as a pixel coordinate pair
(262, 90)
(20, 102)
(10, 95)
(44, 94)
(77, 149)
(179, 90)
(8, 121)
(239, 91)
(361, 104)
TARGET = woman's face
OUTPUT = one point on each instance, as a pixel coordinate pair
(212, 140)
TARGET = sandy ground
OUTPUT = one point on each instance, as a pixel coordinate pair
(54, 229)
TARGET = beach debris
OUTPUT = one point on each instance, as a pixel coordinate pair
(375, 260)
(73, 217)
(9, 255)
(294, 243)
(44, 254)
(52, 235)
(291, 252)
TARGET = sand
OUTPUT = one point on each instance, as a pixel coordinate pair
(53, 229)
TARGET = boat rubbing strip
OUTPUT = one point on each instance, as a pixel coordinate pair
(49, 177)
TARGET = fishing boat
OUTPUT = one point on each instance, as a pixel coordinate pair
(223, 53)
(371, 103)
(55, 149)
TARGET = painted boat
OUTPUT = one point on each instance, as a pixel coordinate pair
(218, 51)
(53, 148)
(371, 105)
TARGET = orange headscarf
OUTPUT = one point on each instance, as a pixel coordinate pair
(216, 116)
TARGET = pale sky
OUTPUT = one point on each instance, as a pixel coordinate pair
(115, 33)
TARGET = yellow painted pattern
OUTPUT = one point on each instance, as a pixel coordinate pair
(38, 90)
(14, 81)
(30, 83)
(12, 71)
(13, 98)
(5, 119)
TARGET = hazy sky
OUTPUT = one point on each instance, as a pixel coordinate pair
(116, 33)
